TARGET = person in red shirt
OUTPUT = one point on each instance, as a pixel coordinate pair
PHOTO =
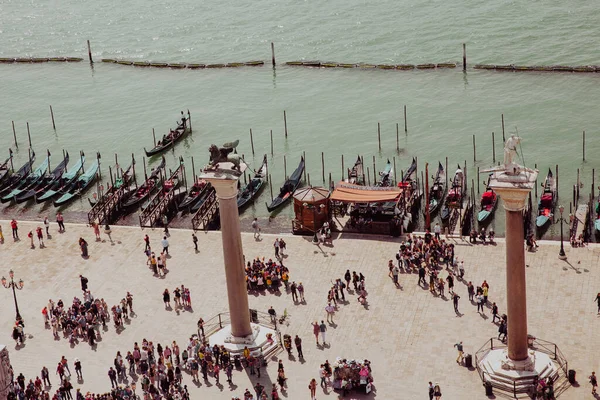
(30, 236)
(15, 229)
(40, 236)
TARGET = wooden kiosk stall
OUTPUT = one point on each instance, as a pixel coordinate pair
(311, 209)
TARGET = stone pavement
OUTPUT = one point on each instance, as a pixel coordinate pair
(407, 333)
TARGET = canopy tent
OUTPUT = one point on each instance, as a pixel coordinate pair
(349, 193)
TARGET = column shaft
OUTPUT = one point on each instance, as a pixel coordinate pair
(516, 298)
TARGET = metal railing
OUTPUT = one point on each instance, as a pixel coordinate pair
(206, 212)
(540, 345)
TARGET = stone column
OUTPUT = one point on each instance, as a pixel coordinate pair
(5, 372)
(233, 255)
(516, 297)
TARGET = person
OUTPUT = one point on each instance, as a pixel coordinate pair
(330, 309)
(494, 313)
(195, 241)
(256, 228)
(479, 300)
(61, 222)
(84, 247)
(461, 269)
(1, 235)
(323, 330)
(459, 348)
(294, 290)
(437, 392)
(395, 272)
(167, 298)
(77, 363)
(437, 229)
(112, 374)
(298, 343)
(316, 330)
(15, 229)
(450, 280)
(165, 222)
(312, 386)
(30, 236)
(597, 299)
(276, 246)
(96, 227)
(165, 244)
(430, 390)
(146, 243)
(455, 299)
(301, 291)
(40, 236)
(272, 314)
(47, 226)
(471, 291)
(594, 382)
(84, 283)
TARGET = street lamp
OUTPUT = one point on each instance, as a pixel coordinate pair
(561, 254)
(14, 285)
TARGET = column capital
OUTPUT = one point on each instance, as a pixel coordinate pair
(225, 181)
(513, 186)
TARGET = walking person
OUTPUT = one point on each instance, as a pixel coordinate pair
(494, 313)
(84, 283)
(323, 330)
(276, 246)
(461, 269)
(167, 299)
(256, 229)
(195, 241)
(294, 290)
(60, 220)
(594, 382)
(459, 348)
(298, 343)
(450, 280)
(47, 226)
(471, 291)
(597, 299)
(147, 243)
(15, 229)
(395, 272)
(77, 364)
(165, 245)
(112, 374)
(422, 273)
(455, 299)
(312, 386)
(437, 391)
(316, 330)
(46, 376)
(30, 236)
(479, 300)
(40, 236)
(301, 292)
(165, 221)
(430, 390)
(330, 309)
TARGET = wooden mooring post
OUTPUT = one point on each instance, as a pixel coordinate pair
(15, 134)
(285, 123)
(323, 165)
(446, 172)
(251, 141)
(374, 171)
(503, 137)
(379, 135)
(368, 177)
(474, 152)
(395, 180)
(284, 167)
(405, 123)
(90, 52)
(536, 183)
(343, 167)
(464, 56)
(557, 190)
(304, 157)
(271, 142)
(52, 115)
(28, 135)
(493, 148)
(397, 138)
(271, 186)
(478, 180)
(583, 145)
(578, 183)
(273, 54)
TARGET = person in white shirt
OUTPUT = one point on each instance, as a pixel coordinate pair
(165, 244)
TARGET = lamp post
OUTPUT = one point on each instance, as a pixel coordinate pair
(14, 285)
(561, 253)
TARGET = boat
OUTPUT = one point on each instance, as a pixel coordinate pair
(547, 201)
(79, 185)
(488, 202)
(251, 190)
(29, 181)
(454, 199)
(437, 190)
(45, 183)
(16, 177)
(579, 222)
(144, 190)
(172, 137)
(119, 182)
(5, 166)
(411, 193)
(204, 195)
(356, 175)
(60, 185)
(385, 176)
(192, 195)
(288, 188)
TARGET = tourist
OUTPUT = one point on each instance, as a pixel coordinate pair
(15, 229)
(112, 374)
(272, 314)
(256, 229)
(459, 348)
(276, 246)
(165, 221)
(461, 269)
(323, 330)
(30, 236)
(494, 313)
(167, 299)
(347, 278)
(431, 391)
(479, 301)
(312, 386)
(96, 227)
(84, 283)
(47, 226)
(301, 293)
(298, 344)
(294, 290)
(165, 245)
(84, 247)
(61, 222)
(597, 299)
(594, 382)
(40, 236)
(471, 291)
(455, 299)
(316, 330)
(437, 392)
(485, 288)
(450, 280)
(502, 330)
(146, 243)
(281, 380)
(77, 364)
(195, 241)
(330, 310)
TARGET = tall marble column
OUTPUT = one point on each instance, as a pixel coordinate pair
(5, 372)
(233, 254)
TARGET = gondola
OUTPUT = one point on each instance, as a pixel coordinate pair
(455, 195)
(143, 192)
(205, 194)
(79, 185)
(60, 185)
(251, 190)
(172, 137)
(119, 182)
(29, 181)
(597, 221)
(288, 188)
(193, 194)
(45, 183)
(437, 190)
(385, 175)
(18, 176)
(5, 166)
(356, 175)
(488, 202)
(547, 201)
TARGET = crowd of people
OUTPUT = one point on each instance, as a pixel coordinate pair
(181, 297)
(266, 275)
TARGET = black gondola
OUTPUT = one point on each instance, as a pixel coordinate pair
(121, 181)
(251, 190)
(144, 191)
(206, 192)
(5, 166)
(45, 183)
(437, 190)
(454, 199)
(193, 194)
(288, 188)
(173, 137)
(15, 179)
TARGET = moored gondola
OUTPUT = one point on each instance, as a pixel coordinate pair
(252, 189)
(454, 199)
(184, 126)
(5, 167)
(29, 181)
(356, 175)
(488, 202)
(144, 191)
(437, 190)
(288, 188)
(60, 185)
(79, 185)
(547, 201)
(45, 183)
(385, 176)
(16, 177)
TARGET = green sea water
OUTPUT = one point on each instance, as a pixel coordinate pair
(112, 109)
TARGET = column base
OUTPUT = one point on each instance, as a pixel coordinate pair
(256, 342)
(562, 257)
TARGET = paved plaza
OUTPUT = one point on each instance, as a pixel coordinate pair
(407, 333)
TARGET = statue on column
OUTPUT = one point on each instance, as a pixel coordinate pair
(6, 373)
(224, 154)
(510, 153)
